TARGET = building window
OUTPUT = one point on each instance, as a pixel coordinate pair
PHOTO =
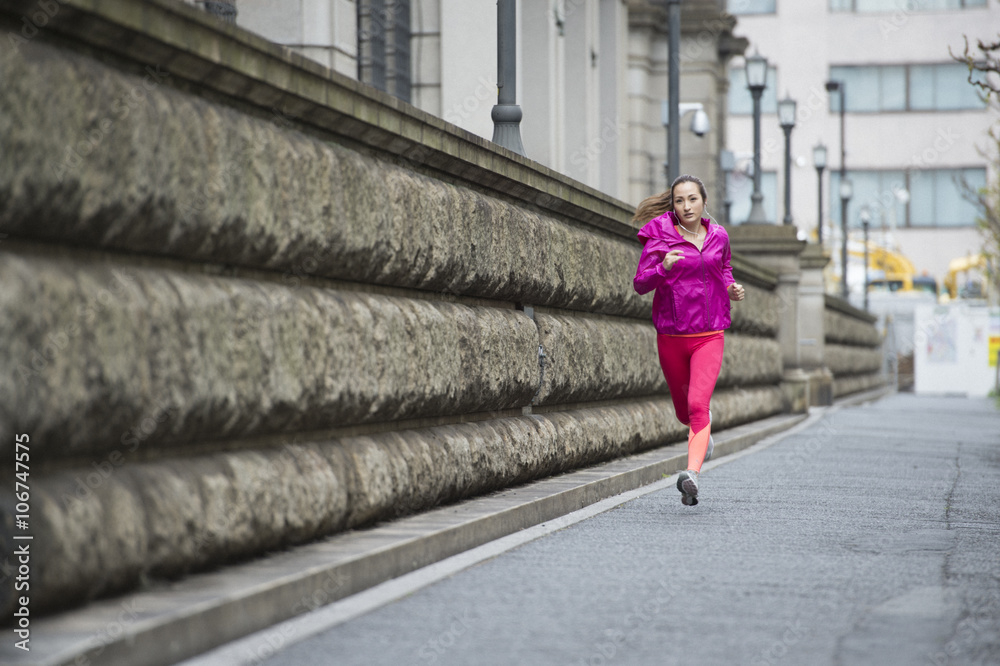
(886, 6)
(384, 45)
(740, 7)
(875, 88)
(740, 100)
(936, 197)
(740, 187)
(942, 88)
(875, 189)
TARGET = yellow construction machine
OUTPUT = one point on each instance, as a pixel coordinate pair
(973, 270)
(892, 271)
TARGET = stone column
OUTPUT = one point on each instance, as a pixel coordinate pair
(543, 101)
(581, 91)
(812, 332)
(778, 248)
(647, 85)
(707, 44)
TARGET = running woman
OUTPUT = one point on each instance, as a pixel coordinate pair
(686, 259)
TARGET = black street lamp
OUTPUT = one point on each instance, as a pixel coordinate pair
(673, 90)
(786, 117)
(819, 161)
(866, 218)
(838, 86)
(846, 190)
(756, 72)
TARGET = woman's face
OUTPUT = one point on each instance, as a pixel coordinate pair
(688, 204)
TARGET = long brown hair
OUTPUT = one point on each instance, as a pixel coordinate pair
(658, 204)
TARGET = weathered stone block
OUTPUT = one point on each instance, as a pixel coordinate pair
(857, 383)
(750, 361)
(850, 360)
(759, 313)
(598, 358)
(592, 358)
(120, 357)
(842, 329)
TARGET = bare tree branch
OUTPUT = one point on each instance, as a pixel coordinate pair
(984, 73)
(987, 62)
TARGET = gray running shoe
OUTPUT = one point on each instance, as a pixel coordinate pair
(687, 483)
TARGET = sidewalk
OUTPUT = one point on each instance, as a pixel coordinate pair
(865, 536)
(174, 622)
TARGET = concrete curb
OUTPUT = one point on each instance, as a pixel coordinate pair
(864, 397)
(173, 622)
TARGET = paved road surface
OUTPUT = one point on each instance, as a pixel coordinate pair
(871, 536)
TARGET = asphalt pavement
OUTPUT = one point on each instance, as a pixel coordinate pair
(869, 534)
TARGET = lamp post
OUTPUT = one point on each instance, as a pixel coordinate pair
(819, 161)
(786, 117)
(727, 164)
(756, 72)
(839, 87)
(846, 190)
(673, 90)
(866, 218)
(506, 113)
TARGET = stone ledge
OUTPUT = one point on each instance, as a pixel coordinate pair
(766, 238)
(838, 304)
(814, 257)
(747, 271)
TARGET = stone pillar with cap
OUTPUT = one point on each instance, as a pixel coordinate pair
(812, 329)
(778, 248)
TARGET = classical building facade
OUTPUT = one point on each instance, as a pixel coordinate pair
(592, 74)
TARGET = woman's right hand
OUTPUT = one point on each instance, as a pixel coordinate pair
(672, 258)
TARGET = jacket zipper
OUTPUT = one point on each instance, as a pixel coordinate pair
(704, 281)
(704, 277)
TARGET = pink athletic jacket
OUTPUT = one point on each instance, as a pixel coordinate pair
(691, 297)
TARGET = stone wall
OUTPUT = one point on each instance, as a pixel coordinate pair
(853, 349)
(248, 303)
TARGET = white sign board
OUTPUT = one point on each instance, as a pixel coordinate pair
(951, 349)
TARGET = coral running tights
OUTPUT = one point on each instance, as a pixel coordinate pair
(691, 366)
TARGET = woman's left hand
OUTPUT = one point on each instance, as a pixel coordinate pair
(736, 292)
